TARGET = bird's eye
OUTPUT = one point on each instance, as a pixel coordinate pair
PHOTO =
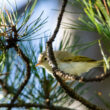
(45, 58)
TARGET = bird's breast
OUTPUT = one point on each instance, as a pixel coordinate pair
(76, 68)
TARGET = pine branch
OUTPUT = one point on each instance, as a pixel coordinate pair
(28, 74)
(53, 64)
(12, 43)
(41, 106)
(67, 76)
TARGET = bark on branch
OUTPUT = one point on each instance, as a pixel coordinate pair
(28, 74)
(54, 66)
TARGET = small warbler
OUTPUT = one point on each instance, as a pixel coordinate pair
(69, 63)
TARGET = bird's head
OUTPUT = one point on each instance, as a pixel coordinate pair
(42, 60)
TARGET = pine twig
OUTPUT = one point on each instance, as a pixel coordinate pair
(53, 64)
(41, 106)
(12, 43)
(28, 74)
(106, 7)
(67, 76)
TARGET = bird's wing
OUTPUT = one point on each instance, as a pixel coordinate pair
(66, 56)
(79, 59)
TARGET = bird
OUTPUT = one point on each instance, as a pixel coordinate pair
(69, 63)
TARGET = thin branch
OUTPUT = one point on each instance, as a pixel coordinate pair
(53, 64)
(49, 42)
(12, 44)
(74, 95)
(67, 76)
(28, 74)
(97, 78)
(59, 22)
(105, 4)
(41, 106)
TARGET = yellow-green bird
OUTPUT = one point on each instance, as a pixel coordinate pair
(69, 63)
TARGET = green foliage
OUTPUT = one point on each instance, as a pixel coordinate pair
(76, 47)
(96, 19)
(14, 28)
(14, 22)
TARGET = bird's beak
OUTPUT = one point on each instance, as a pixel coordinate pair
(37, 64)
